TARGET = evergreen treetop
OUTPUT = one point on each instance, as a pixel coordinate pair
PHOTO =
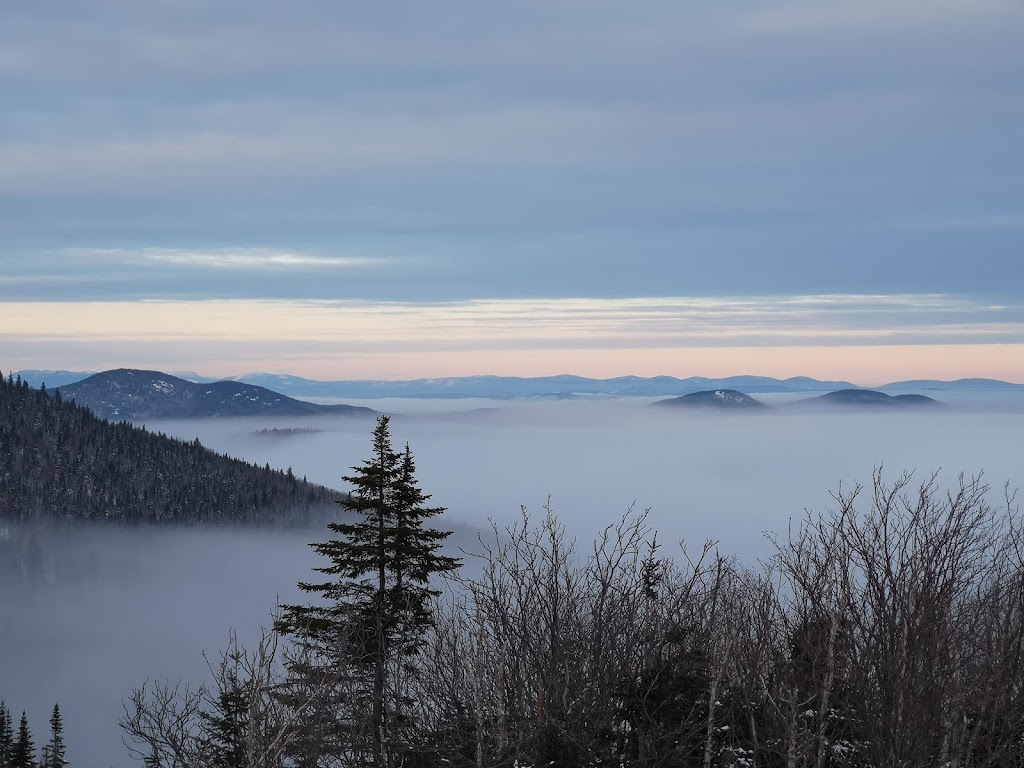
(56, 751)
(377, 600)
(23, 755)
(6, 735)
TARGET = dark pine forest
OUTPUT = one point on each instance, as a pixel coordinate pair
(60, 462)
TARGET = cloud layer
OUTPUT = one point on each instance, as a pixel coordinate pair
(537, 335)
(450, 164)
(790, 133)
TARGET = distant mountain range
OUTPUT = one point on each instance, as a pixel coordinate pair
(963, 385)
(52, 379)
(553, 387)
(132, 394)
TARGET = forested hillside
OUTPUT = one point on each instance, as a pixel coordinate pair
(135, 394)
(58, 461)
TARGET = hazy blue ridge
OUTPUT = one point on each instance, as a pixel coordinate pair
(964, 385)
(555, 387)
(52, 379)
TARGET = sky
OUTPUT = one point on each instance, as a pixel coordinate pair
(350, 190)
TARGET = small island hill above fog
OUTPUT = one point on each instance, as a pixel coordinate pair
(731, 400)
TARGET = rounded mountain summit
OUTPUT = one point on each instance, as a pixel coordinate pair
(717, 399)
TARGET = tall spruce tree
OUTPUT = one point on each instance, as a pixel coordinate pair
(378, 596)
(6, 736)
(417, 556)
(24, 755)
(56, 751)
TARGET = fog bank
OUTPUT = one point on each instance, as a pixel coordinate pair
(128, 605)
(723, 476)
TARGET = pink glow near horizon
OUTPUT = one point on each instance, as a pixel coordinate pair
(868, 340)
(863, 365)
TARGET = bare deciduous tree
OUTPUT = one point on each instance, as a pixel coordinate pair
(250, 703)
(885, 631)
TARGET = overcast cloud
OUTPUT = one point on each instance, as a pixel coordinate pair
(427, 156)
(556, 148)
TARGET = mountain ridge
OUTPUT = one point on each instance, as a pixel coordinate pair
(559, 386)
(717, 399)
(61, 462)
(127, 393)
(870, 398)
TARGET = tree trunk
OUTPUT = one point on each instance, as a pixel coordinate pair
(378, 672)
(826, 692)
(710, 735)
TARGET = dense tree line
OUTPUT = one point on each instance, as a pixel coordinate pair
(60, 462)
(887, 632)
(17, 747)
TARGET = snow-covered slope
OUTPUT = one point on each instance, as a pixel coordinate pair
(724, 399)
(133, 394)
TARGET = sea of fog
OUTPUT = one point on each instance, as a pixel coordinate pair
(147, 603)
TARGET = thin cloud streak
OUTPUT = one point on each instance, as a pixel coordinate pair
(228, 258)
(521, 324)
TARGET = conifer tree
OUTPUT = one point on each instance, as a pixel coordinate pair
(24, 749)
(56, 751)
(226, 729)
(6, 736)
(417, 556)
(380, 568)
